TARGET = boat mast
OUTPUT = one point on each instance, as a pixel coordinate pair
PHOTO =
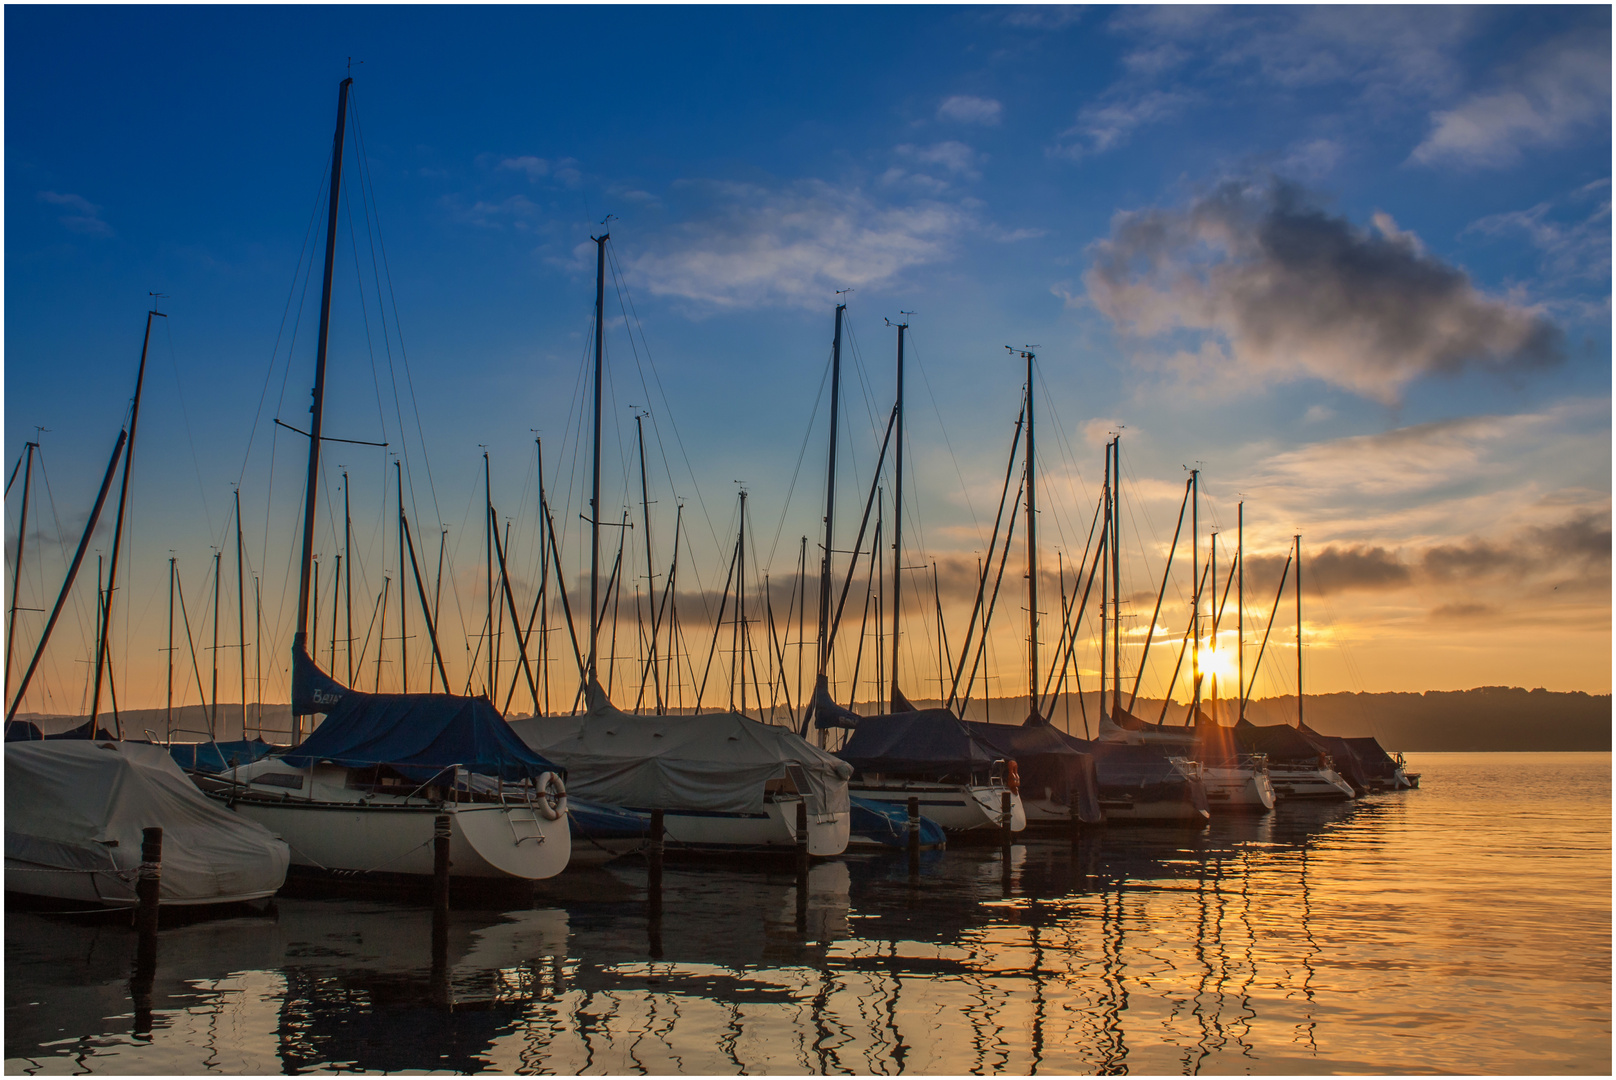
(740, 602)
(488, 536)
(316, 410)
(16, 579)
(1299, 722)
(1195, 613)
(897, 523)
(1212, 613)
(241, 616)
(1116, 575)
(650, 576)
(347, 582)
(213, 719)
(830, 503)
(403, 604)
(101, 658)
(169, 715)
(1240, 602)
(1032, 547)
(594, 497)
(1105, 569)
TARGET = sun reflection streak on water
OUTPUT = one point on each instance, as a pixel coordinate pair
(1377, 937)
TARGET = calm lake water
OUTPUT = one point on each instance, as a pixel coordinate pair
(1462, 928)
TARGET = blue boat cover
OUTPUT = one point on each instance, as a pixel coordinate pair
(888, 823)
(1282, 743)
(931, 742)
(602, 821)
(827, 713)
(23, 731)
(218, 757)
(313, 691)
(419, 735)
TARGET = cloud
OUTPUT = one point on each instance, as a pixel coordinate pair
(1556, 92)
(534, 168)
(1043, 16)
(85, 218)
(970, 110)
(516, 212)
(1283, 289)
(1570, 249)
(795, 246)
(952, 155)
(1110, 122)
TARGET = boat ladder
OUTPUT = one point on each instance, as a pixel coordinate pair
(525, 824)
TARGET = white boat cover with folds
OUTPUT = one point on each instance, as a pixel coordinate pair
(80, 805)
(714, 761)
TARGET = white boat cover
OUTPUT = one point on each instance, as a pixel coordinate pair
(714, 761)
(81, 805)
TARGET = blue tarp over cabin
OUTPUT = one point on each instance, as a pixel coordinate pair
(930, 743)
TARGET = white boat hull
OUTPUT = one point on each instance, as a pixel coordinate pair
(1308, 783)
(104, 888)
(333, 828)
(1237, 789)
(775, 827)
(956, 807)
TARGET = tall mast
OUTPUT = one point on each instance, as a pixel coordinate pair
(317, 409)
(1212, 613)
(1105, 568)
(16, 579)
(218, 565)
(1240, 602)
(170, 707)
(1195, 580)
(650, 575)
(897, 524)
(488, 535)
(544, 581)
(347, 582)
(594, 497)
(740, 599)
(830, 497)
(1299, 631)
(1032, 547)
(258, 651)
(117, 532)
(241, 616)
(403, 605)
(1116, 576)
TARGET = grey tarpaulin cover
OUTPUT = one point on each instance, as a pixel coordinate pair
(81, 805)
(714, 761)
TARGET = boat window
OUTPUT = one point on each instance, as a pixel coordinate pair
(280, 779)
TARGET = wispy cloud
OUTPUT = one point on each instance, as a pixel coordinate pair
(1111, 121)
(534, 168)
(516, 212)
(1270, 284)
(83, 216)
(755, 246)
(1578, 248)
(965, 109)
(1559, 90)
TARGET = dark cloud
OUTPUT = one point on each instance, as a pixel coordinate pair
(1463, 611)
(1271, 284)
(1330, 570)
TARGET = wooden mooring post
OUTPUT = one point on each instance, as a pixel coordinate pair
(148, 891)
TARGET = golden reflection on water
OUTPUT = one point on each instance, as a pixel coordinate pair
(1461, 928)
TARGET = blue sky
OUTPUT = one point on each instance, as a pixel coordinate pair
(1354, 261)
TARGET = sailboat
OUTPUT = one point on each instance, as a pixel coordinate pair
(931, 755)
(723, 782)
(362, 793)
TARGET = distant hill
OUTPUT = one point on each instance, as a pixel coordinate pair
(1497, 718)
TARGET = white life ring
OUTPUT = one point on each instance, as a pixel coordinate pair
(551, 792)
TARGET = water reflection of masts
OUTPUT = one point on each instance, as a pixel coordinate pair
(1307, 958)
(1114, 1046)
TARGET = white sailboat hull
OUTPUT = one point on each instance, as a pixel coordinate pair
(1308, 783)
(1238, 789)
(332, 828)
(956, 807)
(775, 827)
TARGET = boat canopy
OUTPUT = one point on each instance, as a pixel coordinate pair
(1372, 757)
(27, 730)
(80, 805)
(718, 762)
(931, 741)
(1047, 762)
(1281, 742)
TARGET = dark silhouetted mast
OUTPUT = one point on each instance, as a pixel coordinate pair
(22, 534)
(897, 525)
(241, 616)
(830, 497)
(1299, 631)
(316, 410)
(1116, 576)
(594, 497)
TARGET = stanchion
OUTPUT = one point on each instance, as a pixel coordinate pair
(148, 890)
(441, 834)
(802, 867)
(914, 836)
(653, 886)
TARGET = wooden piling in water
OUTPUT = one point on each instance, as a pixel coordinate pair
(440, 863)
